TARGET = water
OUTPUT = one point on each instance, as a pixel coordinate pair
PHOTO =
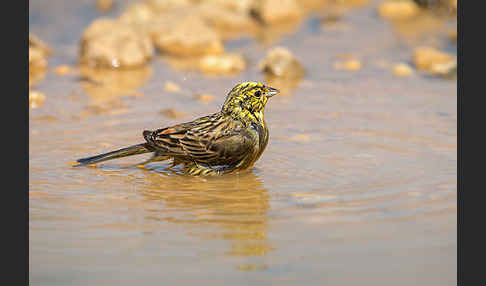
(357, 184)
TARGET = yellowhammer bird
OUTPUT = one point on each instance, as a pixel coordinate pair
(228, 141)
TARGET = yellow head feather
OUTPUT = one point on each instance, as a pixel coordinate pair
(248, 100)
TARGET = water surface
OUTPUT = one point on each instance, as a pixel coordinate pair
(357, 184)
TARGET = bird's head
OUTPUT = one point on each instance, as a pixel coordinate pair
(248, 100)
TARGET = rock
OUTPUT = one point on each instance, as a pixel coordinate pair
(273, 11)
(156, 16)
(309, 6)
(189, 36)
(431, 60)
(348, 63)
(206, 98)
(145, 19)
(398, 10)
(104, 5)
(138, 14)
(428, 3)
(439, 7)
(282, 70)
(38, 53)
(448, 4)
(402, 70)
(36, 99)
(227, 22)
(63, 70)
(36, 75)
(280, 62)
(240, 6)
(113, 43)
(170, 86)
(352, 3)
(222, 64)
(172, 113)
(446, 69)
(166, 5)
(422, 26)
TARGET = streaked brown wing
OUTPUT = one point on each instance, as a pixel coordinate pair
(211, 139)
(166, 140)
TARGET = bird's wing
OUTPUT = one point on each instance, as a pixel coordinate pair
(212, 139)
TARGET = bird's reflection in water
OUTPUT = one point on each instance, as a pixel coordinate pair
(236, 204)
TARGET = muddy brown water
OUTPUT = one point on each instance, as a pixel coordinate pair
(357, 184)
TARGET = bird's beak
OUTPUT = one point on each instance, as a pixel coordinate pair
(271, 91)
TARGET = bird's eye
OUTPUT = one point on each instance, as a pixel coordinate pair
(258, 93)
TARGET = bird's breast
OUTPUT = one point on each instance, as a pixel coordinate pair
(261, 133)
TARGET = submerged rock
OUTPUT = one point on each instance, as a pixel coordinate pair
(448, 4)
(36, 76)
(446, 69)
(282, 70)
(170, 86)
(36, 99)
(433, 61)
(63, 70)
(402, 69)
(38, 53)
(280, 62)
(113, 43)
(348, 63)
(272, 11)
(212, 22)
(189, 29)
(398, 9)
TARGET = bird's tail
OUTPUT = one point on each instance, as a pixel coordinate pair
(128, 151)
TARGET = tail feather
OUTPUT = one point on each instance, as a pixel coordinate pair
(124, 152)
